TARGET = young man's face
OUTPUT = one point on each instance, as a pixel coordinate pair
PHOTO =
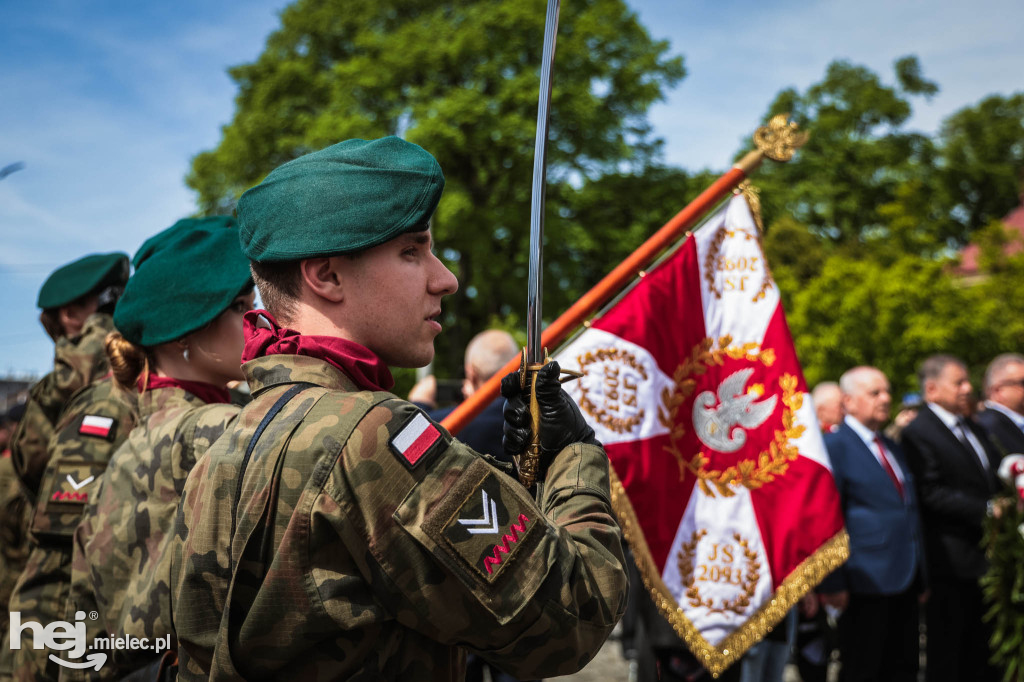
(393, 298)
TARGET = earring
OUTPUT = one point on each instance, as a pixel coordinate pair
(184, 354)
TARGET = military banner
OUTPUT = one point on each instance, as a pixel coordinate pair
(720, 475)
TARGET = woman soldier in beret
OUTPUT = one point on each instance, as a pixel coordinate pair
(179, 345)
(76, 301)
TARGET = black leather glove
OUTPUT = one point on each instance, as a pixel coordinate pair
(561, 422)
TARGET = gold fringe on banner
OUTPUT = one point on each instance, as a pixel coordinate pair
(802, 580)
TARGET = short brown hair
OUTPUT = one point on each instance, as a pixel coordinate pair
(279, 283)
(933, 366)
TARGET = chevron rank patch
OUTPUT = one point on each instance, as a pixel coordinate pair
(96, 425)
(490, 528)
(417, 438)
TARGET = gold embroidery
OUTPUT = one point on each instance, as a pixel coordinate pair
(620, 393)
(749, 473)
(745, 579)
(715, 264)
(716, 659)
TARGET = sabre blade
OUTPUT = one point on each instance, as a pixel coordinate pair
(534, 350)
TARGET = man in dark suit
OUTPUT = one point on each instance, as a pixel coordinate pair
(879, 587)
(1003, 416)
(954, 464)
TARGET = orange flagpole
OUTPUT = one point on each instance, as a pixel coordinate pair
(767, 140)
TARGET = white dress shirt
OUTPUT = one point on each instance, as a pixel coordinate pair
(1017, 419)
(868, 436)
(964, 435)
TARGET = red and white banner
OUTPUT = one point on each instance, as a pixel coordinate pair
(720, 475)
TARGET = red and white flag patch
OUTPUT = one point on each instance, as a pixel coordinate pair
(94, 425)
(415, 440)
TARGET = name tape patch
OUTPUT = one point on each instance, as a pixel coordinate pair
(95, 425)
(415, 440)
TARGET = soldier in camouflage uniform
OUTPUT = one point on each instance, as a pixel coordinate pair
(13, 549)
(335, 531)
(179, 352)
(76, 302)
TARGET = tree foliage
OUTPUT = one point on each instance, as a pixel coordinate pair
(460, 79)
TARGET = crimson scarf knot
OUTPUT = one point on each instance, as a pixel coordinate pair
(357, 361)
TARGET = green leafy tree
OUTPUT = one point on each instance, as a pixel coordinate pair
(462, 80)
(857, 155)
(982, 157)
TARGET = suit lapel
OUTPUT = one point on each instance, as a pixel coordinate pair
(871, 462)
(955, 444)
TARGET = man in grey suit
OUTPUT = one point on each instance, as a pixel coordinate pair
(880, 586)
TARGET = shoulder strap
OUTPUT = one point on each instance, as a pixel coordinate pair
(281, 402)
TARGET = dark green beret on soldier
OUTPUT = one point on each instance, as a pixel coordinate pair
(348, 197)
(161, 239)
(83, 276)
(356, 516)
(183, 304)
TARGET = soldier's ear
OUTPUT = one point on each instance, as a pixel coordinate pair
(323, 277)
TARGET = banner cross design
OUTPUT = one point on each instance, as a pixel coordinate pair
(720, 476)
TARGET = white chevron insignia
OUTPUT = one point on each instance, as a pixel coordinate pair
(490, 518)
(76, 485)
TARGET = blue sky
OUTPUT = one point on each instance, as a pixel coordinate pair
(107, 102)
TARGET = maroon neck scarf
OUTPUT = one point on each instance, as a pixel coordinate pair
(208, 393)
(358, 362)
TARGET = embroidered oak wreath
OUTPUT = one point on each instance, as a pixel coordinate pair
(749, 473)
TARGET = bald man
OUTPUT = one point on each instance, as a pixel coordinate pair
(828, 404)
(880, 585)
(486, 354)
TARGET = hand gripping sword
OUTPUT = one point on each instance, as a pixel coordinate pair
(534, 355)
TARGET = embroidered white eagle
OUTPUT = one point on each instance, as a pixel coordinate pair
(716, 426)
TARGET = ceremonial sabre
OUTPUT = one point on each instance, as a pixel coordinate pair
(534, 354)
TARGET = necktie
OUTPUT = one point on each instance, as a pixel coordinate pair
(967, 438)
(888, 467)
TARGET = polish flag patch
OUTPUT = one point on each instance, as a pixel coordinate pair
(415, 440)
(94, 425)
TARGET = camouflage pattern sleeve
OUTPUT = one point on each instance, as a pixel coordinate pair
(366, 543)
(77, 363)
(93, 424)
(465, 555)
(121, 562)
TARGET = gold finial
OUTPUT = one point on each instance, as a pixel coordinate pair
(780, 138)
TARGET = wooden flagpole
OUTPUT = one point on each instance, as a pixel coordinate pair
(777, 141)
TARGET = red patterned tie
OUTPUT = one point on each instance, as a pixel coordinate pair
(888, 467)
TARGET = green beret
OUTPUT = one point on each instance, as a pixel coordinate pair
(347, 197)
(161, 239)
(83, 276)
(184, 284)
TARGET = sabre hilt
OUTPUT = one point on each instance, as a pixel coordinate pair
(528, 462)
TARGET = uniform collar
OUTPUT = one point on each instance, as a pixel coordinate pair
(274, 370)
(155, 400)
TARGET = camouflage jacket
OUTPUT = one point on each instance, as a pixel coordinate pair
(121, 565)
(93, 424)
(363, 542)
(77, 363)
(13, 548)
